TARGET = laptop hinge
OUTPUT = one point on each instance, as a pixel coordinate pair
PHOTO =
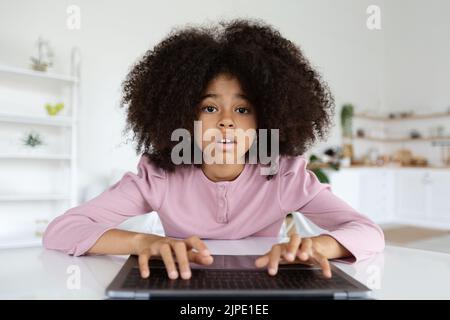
(141, 295)
(340, 296)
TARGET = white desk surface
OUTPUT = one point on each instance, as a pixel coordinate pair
(36, 273)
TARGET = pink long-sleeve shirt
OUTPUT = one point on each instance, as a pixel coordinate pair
(188, 203)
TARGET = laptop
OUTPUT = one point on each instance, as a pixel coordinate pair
(234, 277)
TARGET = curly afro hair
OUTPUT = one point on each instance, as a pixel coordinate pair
(164, 87)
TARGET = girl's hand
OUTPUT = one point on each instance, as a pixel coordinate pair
(171, 251)
(297, 250)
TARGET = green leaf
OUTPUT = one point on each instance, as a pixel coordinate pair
(313, 158)
(323, 178)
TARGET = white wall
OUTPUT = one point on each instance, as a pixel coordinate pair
(416, 73)
(113, 35)
(417, 49)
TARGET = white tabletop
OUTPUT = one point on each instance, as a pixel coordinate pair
(36, 273)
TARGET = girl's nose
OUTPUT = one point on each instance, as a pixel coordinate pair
(226, 123)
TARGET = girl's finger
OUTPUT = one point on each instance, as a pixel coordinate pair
(196, 243)
(143, 264)
(262, 261)
(305, 251)
(197, 258)
(182, 258)
(166, 254)
(292, 247)
(324, 264)
(274, 259)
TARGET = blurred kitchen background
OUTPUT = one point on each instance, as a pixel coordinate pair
(61, 128)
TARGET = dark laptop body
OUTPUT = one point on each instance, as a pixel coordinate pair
(234, 277)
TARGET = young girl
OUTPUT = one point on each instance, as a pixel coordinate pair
(238, 76)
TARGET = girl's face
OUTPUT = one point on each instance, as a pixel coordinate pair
(225, 108)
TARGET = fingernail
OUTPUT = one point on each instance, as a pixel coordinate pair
(145, 274)
(186, 275)
(289, 256)
(205, 253)
(173, 274)
(304, 256)
(272, 271)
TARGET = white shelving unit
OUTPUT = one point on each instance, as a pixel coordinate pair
(38, 74)
(36, 156)
(34, 197)
(16, 118)
(24, 215)
(393, 134)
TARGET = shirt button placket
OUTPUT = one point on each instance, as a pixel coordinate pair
(222, 210)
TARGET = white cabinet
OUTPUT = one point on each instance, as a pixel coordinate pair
(439, 191)
(345, 184)
(411, 194)
(423, 197)
(419, 196)
(376, 196)
(367, 190)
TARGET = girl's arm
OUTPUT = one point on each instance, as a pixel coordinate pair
(148, 246)
(76, 231)
(330, 248)
(350, 229)
(301, 191)
(92, 227)
(115, 241)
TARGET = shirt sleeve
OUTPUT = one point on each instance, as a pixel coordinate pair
(77, 230)
(300, 190)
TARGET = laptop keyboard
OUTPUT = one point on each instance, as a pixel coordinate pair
(237, 279)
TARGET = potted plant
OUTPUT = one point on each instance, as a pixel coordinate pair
(44, 59)
(53, 110)
(346, 120)
(317, 166)
(32, 141)
(347, 133)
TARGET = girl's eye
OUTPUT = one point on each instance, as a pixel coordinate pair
(209, 109)
(242, 110)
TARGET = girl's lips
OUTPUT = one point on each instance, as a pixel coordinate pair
(226, 139)
(225, 146)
